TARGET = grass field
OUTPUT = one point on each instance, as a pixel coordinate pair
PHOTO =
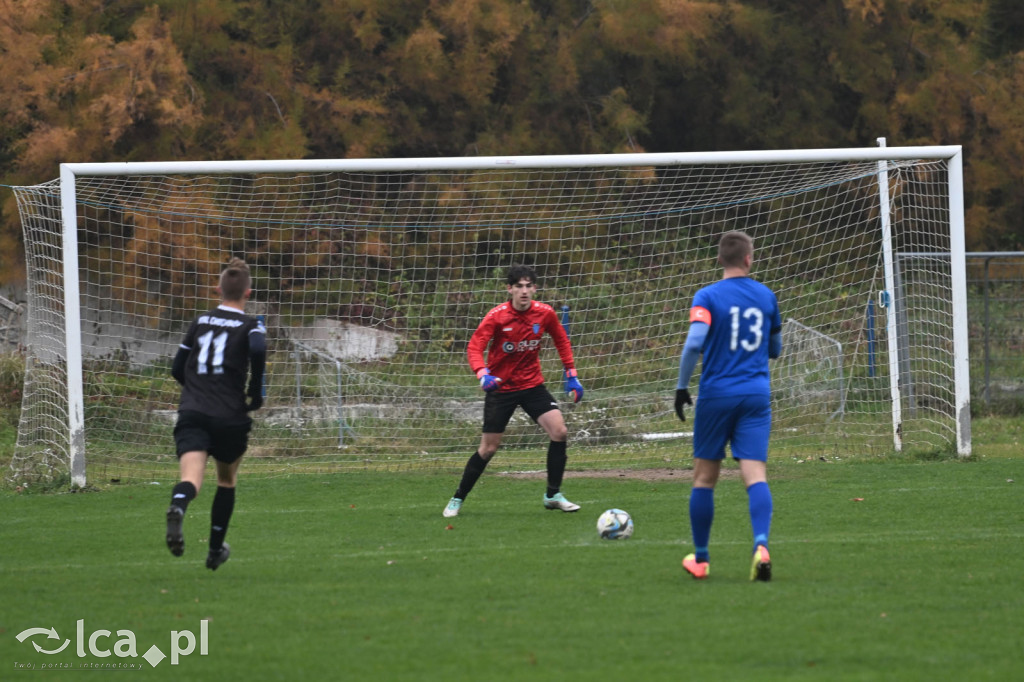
(886, 569)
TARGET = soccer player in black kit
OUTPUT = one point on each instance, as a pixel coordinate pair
(220, 349)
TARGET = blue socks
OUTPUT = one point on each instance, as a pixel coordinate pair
(760, 498)
(702, 513)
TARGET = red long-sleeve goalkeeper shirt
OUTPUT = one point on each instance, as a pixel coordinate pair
(515, 342)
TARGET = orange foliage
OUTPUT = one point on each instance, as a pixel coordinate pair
(173, 258)
(215, 79)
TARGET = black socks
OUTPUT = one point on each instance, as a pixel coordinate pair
(183, 493)
(557, 459)
(474, 468)
(556, 466)
(220, 516)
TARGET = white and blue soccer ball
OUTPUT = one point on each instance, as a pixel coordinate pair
(615, 524)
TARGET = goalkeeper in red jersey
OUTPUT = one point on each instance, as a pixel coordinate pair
(511, 377)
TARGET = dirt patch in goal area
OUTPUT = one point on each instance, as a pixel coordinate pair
(636, 474)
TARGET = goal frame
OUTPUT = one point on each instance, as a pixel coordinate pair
(951, 154)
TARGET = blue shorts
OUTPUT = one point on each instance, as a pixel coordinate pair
(744, 422)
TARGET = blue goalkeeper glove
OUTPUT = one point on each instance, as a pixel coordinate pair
(488, 381)
(573, 387)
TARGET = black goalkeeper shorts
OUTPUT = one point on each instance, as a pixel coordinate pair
(498, 406)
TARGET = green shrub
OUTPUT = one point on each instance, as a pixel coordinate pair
(12, 378)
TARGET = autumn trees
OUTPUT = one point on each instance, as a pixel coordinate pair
(124, 80)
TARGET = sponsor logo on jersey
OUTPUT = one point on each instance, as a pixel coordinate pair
(219, 321)
(524, 346)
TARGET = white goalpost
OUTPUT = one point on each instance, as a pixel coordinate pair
(371, 274)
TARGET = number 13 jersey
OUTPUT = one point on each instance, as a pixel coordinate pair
(742, 313)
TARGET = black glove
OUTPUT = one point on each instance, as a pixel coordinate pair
(255, 401)
(682, 398)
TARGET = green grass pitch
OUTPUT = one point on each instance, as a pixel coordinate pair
(887, 570)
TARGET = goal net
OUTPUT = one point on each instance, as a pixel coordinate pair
(807, 379)
(371, 275)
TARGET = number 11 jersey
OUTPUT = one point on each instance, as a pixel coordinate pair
(218, 363)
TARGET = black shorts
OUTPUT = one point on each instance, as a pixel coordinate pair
(498, 407)
(223, 442)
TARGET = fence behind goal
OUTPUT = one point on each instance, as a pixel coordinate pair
(371, 276)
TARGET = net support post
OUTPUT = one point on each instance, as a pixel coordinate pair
(958, 281)
(72, 328)
(884, 216)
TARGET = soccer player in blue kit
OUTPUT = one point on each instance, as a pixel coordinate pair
(735, 327)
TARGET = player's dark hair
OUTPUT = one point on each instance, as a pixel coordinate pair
(518, 272)
(235, 280)
(733, 247)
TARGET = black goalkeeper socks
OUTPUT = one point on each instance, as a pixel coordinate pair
(474, 468)
(557, 458)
